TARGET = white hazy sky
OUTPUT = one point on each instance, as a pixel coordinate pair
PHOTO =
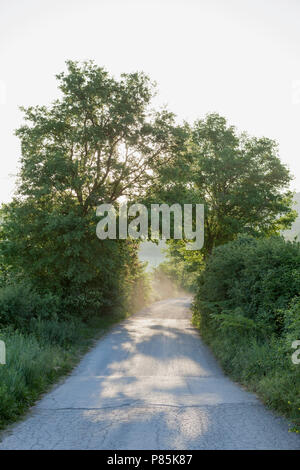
(240, 58)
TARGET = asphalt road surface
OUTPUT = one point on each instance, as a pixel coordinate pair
(150, 383)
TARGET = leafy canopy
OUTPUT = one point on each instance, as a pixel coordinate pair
(97, 143)
(240, 180)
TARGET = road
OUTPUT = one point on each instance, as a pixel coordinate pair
(150, 383)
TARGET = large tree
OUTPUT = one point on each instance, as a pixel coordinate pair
(98, 142)
(239, 179)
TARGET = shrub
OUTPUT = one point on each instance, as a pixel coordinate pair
(62, 333)
(19, 303)
(248, 310)
(256, 278)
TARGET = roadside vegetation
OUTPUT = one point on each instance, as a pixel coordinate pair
(39, 355)
(247, 308)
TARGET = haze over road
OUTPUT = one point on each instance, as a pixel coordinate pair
(150, 383)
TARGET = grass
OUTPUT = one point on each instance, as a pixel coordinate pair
(39, 357)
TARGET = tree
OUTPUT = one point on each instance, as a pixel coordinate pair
(240, 180)
(98, 142)
(181, 266)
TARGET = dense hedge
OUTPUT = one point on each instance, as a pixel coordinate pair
(248, 310)
(251, 279)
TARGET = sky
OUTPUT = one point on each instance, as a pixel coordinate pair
(240, 58)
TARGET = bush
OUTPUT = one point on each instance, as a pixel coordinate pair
(60, 333)
(292, 320)
(255, 278)
(19, 303)
(248, 310)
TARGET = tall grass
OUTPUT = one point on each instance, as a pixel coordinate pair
(38, 356)
(264, 367)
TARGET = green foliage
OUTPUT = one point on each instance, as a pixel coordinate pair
(181, 266)
(236, 323)
(20, 303)
(239, 179)
(257, 277)
(97, 143)
(291, 323)
(31, 367)
(61, 333)
(39, 354)
(248, 310)
(263, 366)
